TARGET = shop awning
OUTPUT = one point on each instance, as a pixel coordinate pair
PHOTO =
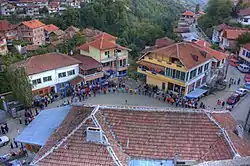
(196, 93)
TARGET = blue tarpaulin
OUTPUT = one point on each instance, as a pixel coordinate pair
(41, 128)
(196, 93)
(140, 162)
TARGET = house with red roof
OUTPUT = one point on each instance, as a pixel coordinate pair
(244, 16)
(50, 72)
(104, 49)
(244, 53)
(187, 18)
(229, 37)
(48, 29)
(139, 136)
(9, 31)
(32, 31)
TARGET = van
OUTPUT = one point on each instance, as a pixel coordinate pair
(244, 68)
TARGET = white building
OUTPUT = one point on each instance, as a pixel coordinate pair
(50, 72)
(244, 16)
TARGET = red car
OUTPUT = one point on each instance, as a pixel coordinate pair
(233, 99)
(247, 78)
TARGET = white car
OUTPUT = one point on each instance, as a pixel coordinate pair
(242, 91)
(4, 140)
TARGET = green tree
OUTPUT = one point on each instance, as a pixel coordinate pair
(20, 85)
(217, 12)
(197, 8)
(243, 39)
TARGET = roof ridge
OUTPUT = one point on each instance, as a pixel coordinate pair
(225, 134)
(62, 140)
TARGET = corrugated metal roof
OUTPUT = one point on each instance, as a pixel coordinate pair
(40, 129)
(140, 162)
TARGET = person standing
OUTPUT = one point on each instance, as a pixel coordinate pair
(16, 145)
(239, 81)
(11, 145)
(223, 104)
(2, 129)
(6, 128)
(20, 120)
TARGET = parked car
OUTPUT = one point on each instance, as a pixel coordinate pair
(242, 91)
(247, 86)
(243, 68)
(247, 77)
(233, 99)
(4, 140)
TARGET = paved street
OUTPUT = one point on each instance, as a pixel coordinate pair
(240, 110)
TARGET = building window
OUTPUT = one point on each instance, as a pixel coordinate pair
(168, 72)
(107, 53)
(193, 73)
(71, 72)
(124, 62)
(37, 81)
(182, 76)
(206, 66)
(178, 74)
(107, 64)
(243, 53)
(46, 79)
(61, 75)
(200, 70)
(120, 63)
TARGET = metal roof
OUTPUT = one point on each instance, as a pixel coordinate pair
(41, 128)
(141, 162)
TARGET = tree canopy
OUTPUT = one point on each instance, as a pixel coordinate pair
(217, 12)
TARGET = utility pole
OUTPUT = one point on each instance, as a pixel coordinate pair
(116, 61)
(245, 125)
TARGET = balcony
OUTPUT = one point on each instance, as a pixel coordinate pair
(93, 76)
(161, 77)
(165, 64)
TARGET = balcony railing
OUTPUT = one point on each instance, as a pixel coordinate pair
(161, 76)
(165, 64)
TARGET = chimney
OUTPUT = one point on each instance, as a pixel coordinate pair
(240, 131)
(94, 135)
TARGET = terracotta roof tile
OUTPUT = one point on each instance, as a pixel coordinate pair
(51, 28)
(192, 135)
(244, 12)
(216, 54)
(242, 145)
(5, 25)
(246, 46)
(59, 32)
(33, 24)
(105, 36)
(46, 62)
(87, 62)
(233, 34)
(141, 134)
(90, 33)
(185, 52)
(72, 29)
(188, 13)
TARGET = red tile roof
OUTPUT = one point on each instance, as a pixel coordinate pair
(46, 62)
(101, 44)
(216, 54)
(87, 62)
(244, 12)
(185, 52)
(226, 121)
(33, 24)
(50, 28)
(72, 29)
(105, 36)
(233, 34)
(246, 46)
(135, 134)
(5, 25)
(188, 13)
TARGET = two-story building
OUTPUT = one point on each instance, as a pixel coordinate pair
(229, 38)
(104, 49)
(244, 54)
(3, 46)
(90, 71)
(32, 31)
(50, 72)
(244, 16)
(9, 31)
(48, 29)
(217, 30)
(180, 67)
